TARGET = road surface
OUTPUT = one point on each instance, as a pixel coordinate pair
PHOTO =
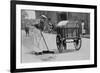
(30, 44)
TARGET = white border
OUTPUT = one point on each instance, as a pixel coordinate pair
(20, 65)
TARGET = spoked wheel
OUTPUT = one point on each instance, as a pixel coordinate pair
(59, 44)
(77, 43)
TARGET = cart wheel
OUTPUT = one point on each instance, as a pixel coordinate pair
(59, 44)
(77, 43)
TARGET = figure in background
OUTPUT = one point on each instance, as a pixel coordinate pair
(83, 29)
(27, 29)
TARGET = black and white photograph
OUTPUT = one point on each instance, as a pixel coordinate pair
(53, 36)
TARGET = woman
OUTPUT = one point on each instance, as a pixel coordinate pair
(39, 38)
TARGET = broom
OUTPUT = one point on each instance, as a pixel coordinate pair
(46, 51)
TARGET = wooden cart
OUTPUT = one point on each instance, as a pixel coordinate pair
(68, 32)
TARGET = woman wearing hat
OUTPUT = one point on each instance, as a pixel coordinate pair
(42, 22)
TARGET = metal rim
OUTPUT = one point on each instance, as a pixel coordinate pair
(77, 44)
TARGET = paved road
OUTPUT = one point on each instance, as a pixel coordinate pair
(30, 44)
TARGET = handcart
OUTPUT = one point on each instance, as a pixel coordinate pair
(68, 32)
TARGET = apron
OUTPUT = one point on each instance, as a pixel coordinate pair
(38, 41)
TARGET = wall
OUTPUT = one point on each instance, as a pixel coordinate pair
(81, 16)
(5, 37)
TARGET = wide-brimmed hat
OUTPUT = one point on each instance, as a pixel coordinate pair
(43, 16)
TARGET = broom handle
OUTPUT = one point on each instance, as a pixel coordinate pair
(44, 41)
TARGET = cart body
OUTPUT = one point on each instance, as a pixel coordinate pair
(68, 32)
